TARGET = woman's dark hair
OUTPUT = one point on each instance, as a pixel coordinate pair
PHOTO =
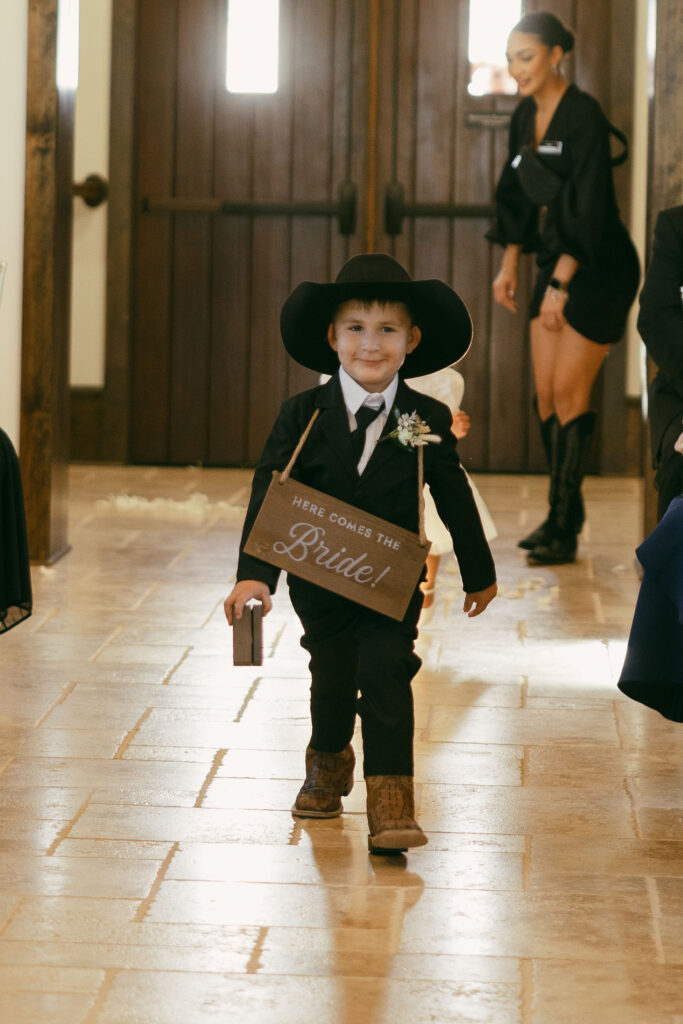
(551, 30)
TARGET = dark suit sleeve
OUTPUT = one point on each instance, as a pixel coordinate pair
(456, 506)
(660, 322)
(290, 424)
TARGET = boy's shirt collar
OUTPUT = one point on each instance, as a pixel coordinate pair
(354, 395)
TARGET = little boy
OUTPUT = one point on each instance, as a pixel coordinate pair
(370, 328)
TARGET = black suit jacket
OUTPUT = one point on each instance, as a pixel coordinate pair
(660, 324)
(387, 487)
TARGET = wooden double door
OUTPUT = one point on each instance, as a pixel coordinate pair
(371, 143)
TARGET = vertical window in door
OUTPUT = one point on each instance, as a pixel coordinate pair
(490, 25)
(66, 70)
(252, 46)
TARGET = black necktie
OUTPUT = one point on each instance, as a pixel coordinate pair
(364, 418)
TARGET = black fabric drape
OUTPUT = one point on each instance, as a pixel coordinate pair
(16, 601)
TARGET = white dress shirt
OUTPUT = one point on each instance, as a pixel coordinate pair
(355, 396)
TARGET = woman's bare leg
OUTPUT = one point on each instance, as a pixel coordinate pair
(577, 365)
(545, 346)
(565, 367)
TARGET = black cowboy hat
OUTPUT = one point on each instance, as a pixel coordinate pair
(439, 312)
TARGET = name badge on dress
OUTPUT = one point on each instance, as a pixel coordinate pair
(550, 148)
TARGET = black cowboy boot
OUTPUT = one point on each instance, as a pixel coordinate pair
(573, 444)
(543, 533)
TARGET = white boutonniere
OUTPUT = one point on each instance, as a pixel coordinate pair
(412, 432)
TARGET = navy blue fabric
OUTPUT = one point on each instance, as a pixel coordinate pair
(653, 668)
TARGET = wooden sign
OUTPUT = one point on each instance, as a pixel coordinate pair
(338, 547)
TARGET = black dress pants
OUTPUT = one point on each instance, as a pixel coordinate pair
(360, 662)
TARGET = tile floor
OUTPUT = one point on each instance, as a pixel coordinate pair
(150, 870)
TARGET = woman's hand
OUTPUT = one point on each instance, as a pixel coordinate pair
(477, 602)
(242, 592)
(551, 312)
(505, 288)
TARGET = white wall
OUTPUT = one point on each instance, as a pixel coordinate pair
(91, 156)
(638, 153)
(13, 42)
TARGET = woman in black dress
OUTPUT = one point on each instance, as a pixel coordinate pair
(555, 197)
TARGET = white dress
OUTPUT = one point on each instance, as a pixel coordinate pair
(447, 386)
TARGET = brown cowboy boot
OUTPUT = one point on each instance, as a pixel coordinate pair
(391, 814)
(329, 777)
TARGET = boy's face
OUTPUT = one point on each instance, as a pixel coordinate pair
(372, 342)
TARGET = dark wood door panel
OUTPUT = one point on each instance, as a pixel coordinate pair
(209, 285)
(207, 309)
(153, 260)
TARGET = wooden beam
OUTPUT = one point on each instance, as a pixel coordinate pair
(47, 284)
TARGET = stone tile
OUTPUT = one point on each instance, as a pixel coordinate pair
(86, 742)
(29, 978)
(268, 794)
(8, 904)
(114, 849)
(534, 810)
(467, 693)
(567, 862)
(266, 764)
(525, 726)
(468, 763)
(335, 950)
(159, 731)
(46, 803)
(298, 865)
(435, 762)
(99, 877)
(661, 824)
(598, 767)
(142, 654)
(52, 917)
(668, 917)
(170, 755)
(616, 993)
(22, 837)
(219, 957)
(252, 1000)
(550, 889)
(87, 773)
(41, 1007)
(175, 824)
(528, 925)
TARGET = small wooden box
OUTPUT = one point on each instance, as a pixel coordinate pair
(247, 636)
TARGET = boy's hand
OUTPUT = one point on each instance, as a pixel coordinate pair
(477, 602)
(461, 424)
(242, 592)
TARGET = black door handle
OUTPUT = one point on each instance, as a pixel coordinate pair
(344, 208)
(93, 190)
(396, 208)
